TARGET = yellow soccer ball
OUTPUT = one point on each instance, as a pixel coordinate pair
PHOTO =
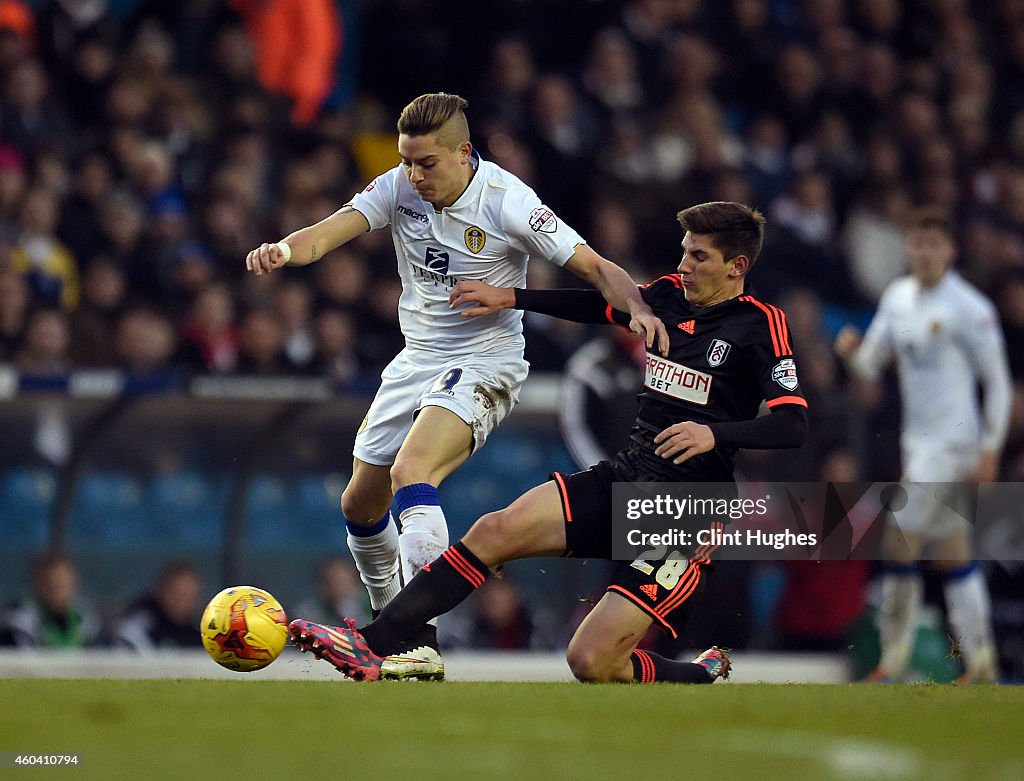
(244, 628)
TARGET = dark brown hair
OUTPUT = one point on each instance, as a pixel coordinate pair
(930, 217)
(431, 112)
(737, 229)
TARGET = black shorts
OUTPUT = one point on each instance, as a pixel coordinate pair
(587, 510)
(667, 589)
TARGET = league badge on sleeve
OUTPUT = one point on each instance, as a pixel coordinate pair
(543, 220)
(784, 373)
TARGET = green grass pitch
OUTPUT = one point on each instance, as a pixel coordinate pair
(251, 729)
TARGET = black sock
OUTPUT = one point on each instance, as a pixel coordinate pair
(425, 635)
(436, 589)
(649, 668)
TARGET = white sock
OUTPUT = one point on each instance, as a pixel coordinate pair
(376, 556)
(424, 528)
(897, 620)
(970, 618)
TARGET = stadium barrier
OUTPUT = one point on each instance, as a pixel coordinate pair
(242, 476)
(748, 667)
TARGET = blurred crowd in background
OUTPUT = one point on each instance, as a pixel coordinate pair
(58, 614)
(146, 147)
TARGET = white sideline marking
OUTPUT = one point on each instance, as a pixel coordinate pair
(846, 758)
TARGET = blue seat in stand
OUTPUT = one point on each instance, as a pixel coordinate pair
(466, 495)
(26, 506)
(318, 520)
(189, 509)
(513, 460)
(110, 510)
(269, 509)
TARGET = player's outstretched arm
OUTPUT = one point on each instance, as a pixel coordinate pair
(577, 306)
(308, 244)
(621, 292)
(486, 299)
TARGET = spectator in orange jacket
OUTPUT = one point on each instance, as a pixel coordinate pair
(297, 44)
(17, 16)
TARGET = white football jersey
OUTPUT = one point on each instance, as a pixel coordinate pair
(946, 340)
(488, 234)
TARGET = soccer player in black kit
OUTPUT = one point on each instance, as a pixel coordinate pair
(728, 352)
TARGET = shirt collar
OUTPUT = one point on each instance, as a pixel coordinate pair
(474, 186)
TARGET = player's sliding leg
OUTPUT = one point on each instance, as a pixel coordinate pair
(361, 653)
(531, 526)
(372, 536)
(436, 445)
(604, 649)
(437, 588)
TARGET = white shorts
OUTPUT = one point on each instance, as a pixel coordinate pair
(930, 464)
(480, 389)
(938, 501)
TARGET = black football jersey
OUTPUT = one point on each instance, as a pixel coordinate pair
(723, 361)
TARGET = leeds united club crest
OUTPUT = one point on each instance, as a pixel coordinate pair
(475, 239)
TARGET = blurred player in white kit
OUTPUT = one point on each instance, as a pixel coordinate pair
(945, 338)
(453, 217)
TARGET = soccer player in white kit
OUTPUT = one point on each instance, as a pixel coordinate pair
(945, 338)
(453, 217)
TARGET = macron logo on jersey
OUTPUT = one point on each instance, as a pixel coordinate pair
(412, 213)
(674, 379)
